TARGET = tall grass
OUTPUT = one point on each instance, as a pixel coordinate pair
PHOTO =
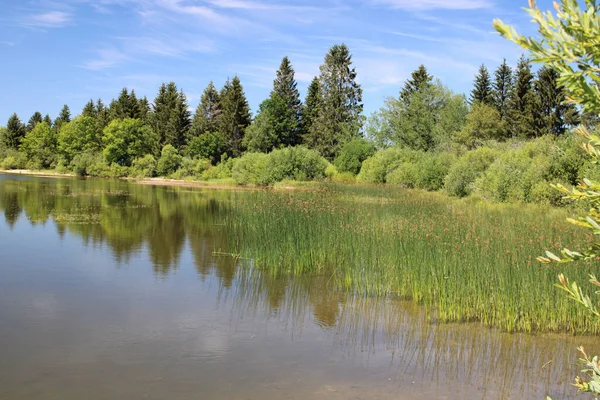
(464, 261)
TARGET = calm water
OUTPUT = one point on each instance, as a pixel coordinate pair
(112, 290)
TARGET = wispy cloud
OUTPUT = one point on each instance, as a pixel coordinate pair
(51, 19)
(105, 58)
(436, 4)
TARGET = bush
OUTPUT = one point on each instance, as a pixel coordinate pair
(297, 163)
(503, 180)
(405, 175)
(14, 160)
(463, 173)
(250, 168)
(208, 145)
(191, 168)
(376, 169)
(344, 177)
(144, 167)
(223, 170)
(169, 161)
(433, 169)
(353, 154)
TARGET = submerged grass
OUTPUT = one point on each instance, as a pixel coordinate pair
(464, 261)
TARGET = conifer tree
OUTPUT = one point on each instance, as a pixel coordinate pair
(286, 88)
(64, 117)
(522, 101)
(503, 86)
(89, 110)
(340, 117)
(102, 115)
(482, 90)
(311, 109)
(35, 119)
(418, 82)
(552, 113)
(170, 117)
(235, 116)
(48, 119)
(126, 105)
(143, 108)
(206, 118)
(15, 131)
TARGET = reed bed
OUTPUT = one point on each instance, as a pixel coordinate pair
(463, 261)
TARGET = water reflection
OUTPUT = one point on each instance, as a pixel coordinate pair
(338, 333)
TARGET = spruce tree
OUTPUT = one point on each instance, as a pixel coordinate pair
(125, 106)
(503, 86)
(311, 109)
(89, 110)
(102, 115)
(552, 114)
(418, 82)
(170, 118)
(340, 117)
(235, 117)
(143, 108)
(482, 90)
(15, 131)
(522, 102)
(48, 119)
(35, 119)
(64, 117)
(206, 118)
(286, 89)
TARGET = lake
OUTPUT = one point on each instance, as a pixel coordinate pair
(111, 289)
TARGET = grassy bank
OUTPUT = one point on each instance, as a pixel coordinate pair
(463, 260)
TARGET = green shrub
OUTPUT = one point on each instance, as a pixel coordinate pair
(169, 161)
(405, 175)
(432, 170)
(375, 169)
(331, 171)
(503, 180)
(14, 160)
(207, 145)
(353, 154)
(464, 172)
(191, 168)
(344, 177)
(144, 167)
(223, 170)
(296, 163)
(251, 168)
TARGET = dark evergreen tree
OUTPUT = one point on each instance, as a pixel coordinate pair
(143, 108)
(418, 82)
(286, 89)
(125, 106)
(15, 131)
(310, 111)
(89, 110)
(48, 120)
(552, 114)
(340, 117)
(206, 118)
(235, 117)
(35, 119)
(482, 90)
(503, 86)
(64, 117)
(520, 116)
(102, 115)
(170, 117)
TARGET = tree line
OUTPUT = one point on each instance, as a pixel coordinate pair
(425, 116)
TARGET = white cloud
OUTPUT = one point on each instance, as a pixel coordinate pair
(436, 4)
(106, 58)
(51, 19)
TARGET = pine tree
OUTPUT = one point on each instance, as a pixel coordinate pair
(48, 119)
(503, 86)
(311, 109)
(419, 81)
(339, 119)
(35, 119)
(89, 110)
(235, 117)
(482, 90)
(15, 131)
(64, 117)
(206, 118)
(520, 116)
(171, 118)
(552, 113)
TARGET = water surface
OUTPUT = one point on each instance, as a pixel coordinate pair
(110, 289)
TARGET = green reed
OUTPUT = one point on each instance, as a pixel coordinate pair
(463, 261)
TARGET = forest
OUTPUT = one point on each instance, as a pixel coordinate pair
(506, 141)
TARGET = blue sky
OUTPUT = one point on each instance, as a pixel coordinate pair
(66, 52)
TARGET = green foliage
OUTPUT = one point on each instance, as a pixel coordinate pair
(419, 81)
(78, 136)
(35, 119)
(191, 168)
(169, 161)
(144, 167)
(376, 169)
(235, 116)
(126, 140)
(353, 154)
(339, 117)
(274, 127)
(250, 168)
(206, 118)
(483, 123)
(312, 107)
(502, 88)
(463, 173)
(482, 90)
(171, 119)
(13, 160)
(207, 145)
(285, 88)
(15, 131)
(39, 146)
